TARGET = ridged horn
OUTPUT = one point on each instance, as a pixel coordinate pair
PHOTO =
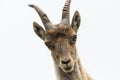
(65, 13)
(43, 17)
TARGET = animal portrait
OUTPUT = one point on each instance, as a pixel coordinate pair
(61, 41)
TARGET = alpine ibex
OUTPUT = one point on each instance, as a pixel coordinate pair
(60, 40)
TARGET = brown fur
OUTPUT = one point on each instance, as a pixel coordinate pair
(62, 35)
(60, 40)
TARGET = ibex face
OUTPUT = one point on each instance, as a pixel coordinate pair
(60, 38)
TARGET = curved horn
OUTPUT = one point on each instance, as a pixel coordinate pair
(65, 13)
(43, 17)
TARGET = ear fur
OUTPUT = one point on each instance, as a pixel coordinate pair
(39, 30)
(76, 21)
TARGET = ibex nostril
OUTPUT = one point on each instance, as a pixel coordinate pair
(66, 62)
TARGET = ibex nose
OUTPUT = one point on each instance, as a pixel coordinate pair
(66, 61)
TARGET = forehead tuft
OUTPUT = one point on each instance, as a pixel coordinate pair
(60, 31)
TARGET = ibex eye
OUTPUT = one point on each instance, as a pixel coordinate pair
(74, 37)
(49, 45)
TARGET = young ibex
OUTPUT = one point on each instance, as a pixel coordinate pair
(60, 39)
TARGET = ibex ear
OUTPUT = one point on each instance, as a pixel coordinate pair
(39, 30)
(76, 21)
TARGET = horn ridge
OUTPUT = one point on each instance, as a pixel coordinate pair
(43, 16)
(65, 13)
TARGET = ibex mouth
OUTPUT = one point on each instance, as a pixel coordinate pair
(68, 69)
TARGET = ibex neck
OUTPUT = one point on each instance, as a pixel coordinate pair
(76, 74)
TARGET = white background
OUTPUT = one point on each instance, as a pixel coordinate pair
(23, 56)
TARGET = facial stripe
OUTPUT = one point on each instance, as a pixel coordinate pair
(63, 49)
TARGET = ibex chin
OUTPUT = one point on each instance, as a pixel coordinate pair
(60, 40)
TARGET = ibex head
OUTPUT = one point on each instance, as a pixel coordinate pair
(60, 38)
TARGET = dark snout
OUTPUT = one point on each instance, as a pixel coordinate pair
(66, 61)
(66, 64)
